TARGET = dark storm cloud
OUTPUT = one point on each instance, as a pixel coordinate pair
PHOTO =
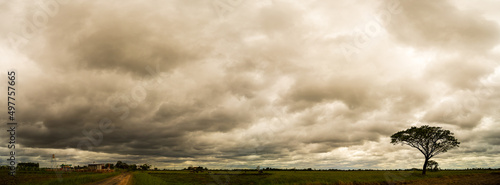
(89, 35)
(196, 116)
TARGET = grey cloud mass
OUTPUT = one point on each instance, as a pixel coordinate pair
(272, 83)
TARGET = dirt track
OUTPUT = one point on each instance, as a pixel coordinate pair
(122, 179)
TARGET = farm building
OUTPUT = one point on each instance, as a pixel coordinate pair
(96, 166)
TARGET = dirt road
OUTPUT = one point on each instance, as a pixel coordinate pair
(122, 179)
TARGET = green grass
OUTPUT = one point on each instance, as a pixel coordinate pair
(145, 178)
(52, 178)
(250, 177)
(77, 180)
(295, 178)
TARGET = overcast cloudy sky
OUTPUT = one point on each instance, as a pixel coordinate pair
(228, 84)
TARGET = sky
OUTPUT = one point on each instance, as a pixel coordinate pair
(240, 84)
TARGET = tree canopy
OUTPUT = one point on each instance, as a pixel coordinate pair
(145, 166)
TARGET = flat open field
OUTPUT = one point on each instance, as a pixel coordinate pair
(52, 178)
(317, 177)
(252, 177)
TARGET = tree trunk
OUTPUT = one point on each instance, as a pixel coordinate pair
(425, 166)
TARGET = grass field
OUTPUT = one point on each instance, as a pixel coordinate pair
(269, 177)
(52, 178)
(317, 177)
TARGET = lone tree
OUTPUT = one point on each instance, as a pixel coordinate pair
(428, 140)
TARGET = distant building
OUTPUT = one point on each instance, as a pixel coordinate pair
(96, 166)
(66, 167)
(195, 169)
